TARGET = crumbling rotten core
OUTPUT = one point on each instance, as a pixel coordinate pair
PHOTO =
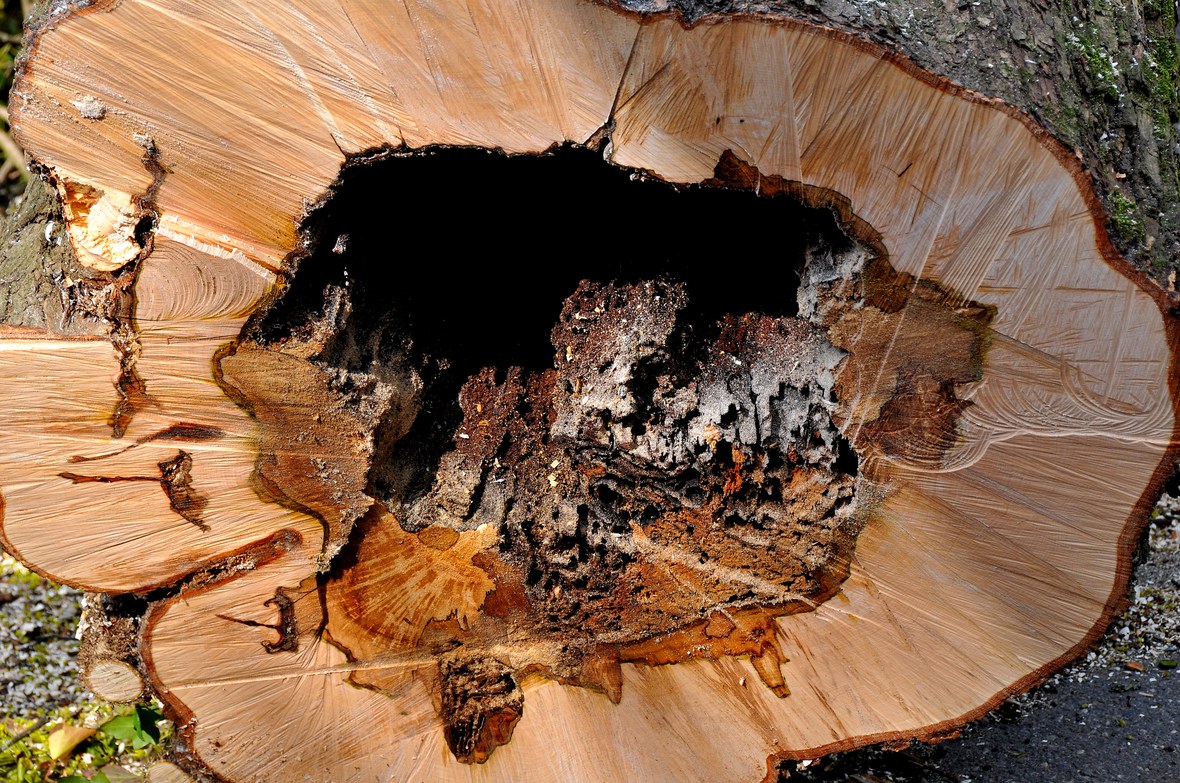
(673, 476)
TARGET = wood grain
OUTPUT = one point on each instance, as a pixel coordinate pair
(1012, 394)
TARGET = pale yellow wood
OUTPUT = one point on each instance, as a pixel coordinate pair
(411, 747)
(289, 152)
(972, 577)
(114, 681)
(167, 772)
(123, 535)
(927, 586)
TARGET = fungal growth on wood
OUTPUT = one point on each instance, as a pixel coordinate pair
(548, 392)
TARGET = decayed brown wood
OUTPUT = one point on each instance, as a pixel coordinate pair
(688, 547)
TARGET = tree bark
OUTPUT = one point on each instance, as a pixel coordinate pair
(692, 504)
(1101, 76)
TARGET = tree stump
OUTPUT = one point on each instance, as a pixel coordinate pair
(738, 392)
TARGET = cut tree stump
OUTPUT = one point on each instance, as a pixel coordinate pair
(845, 432)
(115, 681)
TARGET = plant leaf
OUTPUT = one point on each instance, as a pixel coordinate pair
(116, 774)
(123, 727)
(64, 739)
(148, 719)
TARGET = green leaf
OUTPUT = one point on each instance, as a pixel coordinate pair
(148, 719)
(123, 727)
(74, 779)
(117, 774)
(1168, 663)
(100, 777)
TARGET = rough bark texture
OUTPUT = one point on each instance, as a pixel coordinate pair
(1103, 76)
(41, 283)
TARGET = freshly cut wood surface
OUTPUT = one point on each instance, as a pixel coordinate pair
(66, 463)
(1008, 388)
(167, 772)
(114, 681)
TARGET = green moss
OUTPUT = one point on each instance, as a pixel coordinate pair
(1100, 64)
(1154, 9)
(1162, 73)
(1125, 218)
(1159, 97)
(1064, 118)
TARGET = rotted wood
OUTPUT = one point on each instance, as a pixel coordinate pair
(109, 653)
(696, 538)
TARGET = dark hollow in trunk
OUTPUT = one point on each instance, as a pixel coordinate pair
(640, 413)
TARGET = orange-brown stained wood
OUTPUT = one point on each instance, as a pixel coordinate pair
(1008, 387)
(315, 439)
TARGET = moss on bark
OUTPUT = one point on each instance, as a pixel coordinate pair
(1102, 75)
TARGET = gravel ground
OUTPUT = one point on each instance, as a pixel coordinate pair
(37, 645)
(1111, 716)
